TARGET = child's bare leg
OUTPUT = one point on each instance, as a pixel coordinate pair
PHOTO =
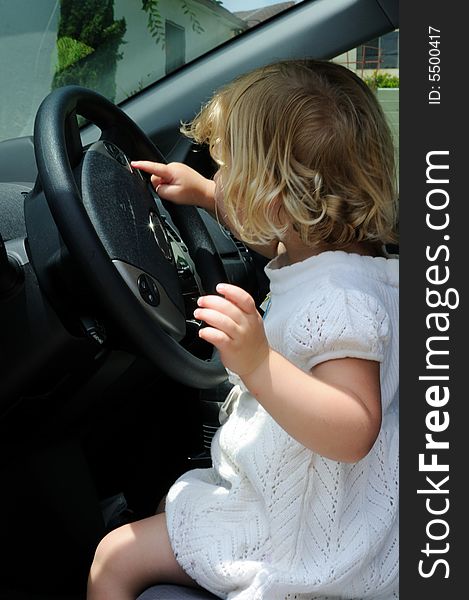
(133, 557)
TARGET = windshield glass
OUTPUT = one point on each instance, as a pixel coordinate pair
(116, 47)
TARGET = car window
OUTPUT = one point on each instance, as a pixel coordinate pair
(377, 62)
(116, 47)
(119, 47)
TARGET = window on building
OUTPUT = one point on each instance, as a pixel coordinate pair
(175, 46)
(379, 53)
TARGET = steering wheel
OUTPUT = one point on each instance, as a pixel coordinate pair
(111, 222)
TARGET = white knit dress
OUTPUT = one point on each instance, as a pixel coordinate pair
(272, 520)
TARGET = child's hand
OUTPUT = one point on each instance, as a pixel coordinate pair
(179, 183)
(234, 327)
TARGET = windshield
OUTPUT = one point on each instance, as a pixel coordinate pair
(116, 47)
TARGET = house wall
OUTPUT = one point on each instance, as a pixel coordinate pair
(144, 60)
(349, 59)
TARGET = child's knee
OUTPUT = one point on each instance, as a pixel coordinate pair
(110, 555)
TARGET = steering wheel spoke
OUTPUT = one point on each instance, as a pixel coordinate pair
(153, 298)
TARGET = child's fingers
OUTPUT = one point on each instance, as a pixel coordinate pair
(238, 296)
(156, 181)
(222, 305)
(159, 169)
(217, 338)
(217, 320)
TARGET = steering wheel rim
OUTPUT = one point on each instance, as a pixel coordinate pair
(58, 151)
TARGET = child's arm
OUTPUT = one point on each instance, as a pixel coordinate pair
(181, 184)
(335, 410)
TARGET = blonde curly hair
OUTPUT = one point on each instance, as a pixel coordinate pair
(302, 142)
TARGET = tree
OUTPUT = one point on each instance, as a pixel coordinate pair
(88, 41)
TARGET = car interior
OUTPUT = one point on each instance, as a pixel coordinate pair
(107, 393)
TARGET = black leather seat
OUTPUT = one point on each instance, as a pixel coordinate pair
(175, 592)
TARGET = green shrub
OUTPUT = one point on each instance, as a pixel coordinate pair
(382, 80)
(88, 40)
(70, 51)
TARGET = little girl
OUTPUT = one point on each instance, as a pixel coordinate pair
(302, 498)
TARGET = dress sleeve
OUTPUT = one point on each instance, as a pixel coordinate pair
(339, 324)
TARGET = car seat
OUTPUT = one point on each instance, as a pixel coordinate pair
(175, 592)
